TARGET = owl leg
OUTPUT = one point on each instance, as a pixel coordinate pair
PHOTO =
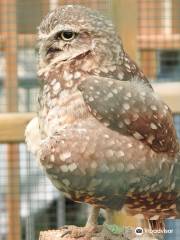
(88, 230)
(157, 225)
(93, 217)
(109, 216)
(113, 228)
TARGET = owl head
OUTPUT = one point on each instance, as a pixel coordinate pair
(74, 32)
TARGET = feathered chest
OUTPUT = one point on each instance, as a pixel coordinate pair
(60, 108)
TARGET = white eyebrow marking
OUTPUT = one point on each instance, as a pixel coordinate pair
(58, 28)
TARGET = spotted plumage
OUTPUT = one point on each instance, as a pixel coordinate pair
(102, 135)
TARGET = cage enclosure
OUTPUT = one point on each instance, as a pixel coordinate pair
(150, 31)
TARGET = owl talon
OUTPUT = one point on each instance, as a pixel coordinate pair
(78, 232)
(66, 233)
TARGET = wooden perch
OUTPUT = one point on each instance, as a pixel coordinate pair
(87, 233)
(80, 233)
(12, 126)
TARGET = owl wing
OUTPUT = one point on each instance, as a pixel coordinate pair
(131, 108)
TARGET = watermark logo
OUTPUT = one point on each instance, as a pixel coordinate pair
(139, 231)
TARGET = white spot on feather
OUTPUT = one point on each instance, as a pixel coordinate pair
(173, 186)
(153, 126)
(115, 91)
(129, 95)
(57, 87)
(109, 153)
(112, 68)
(143, 94)
(110, 95)
(156, 217)
(94, 165)
(72, 167)
(120, 154)
(153, 107)
(127, 121)
(126, 106)
(129, 145)
(135, 116)
(52, 158)
(66, 182)
(64, 168)
(120, 125)
(67, 76)
(53, 81)
(106, 136)
(77, 75)
(69, 83)
(64, 156)
(91, 99)
(121, 75)
(150, 139)
(138, 136)
(130, 166)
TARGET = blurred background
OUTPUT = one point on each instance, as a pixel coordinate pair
(150, 30)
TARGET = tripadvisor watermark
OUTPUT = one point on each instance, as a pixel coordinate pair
(139, 231)
(160, 231)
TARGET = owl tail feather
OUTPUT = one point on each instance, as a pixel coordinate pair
(157, 224)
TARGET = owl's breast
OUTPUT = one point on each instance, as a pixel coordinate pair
(61, 111)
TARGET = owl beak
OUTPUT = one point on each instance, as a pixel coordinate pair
(53, 50)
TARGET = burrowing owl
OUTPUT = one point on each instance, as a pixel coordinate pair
(102, 135)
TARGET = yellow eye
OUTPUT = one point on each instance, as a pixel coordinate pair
(68, 35)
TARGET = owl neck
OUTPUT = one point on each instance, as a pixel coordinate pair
(70, 73)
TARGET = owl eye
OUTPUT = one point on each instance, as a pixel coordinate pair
(66, 35)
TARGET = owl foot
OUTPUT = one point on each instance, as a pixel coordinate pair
(78, 232)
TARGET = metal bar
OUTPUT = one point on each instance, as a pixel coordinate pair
(53, 4)
(13, 194)
(148, 63)
(125, 16)
(170, 93)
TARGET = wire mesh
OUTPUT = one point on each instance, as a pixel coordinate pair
(28, 201)
(159, 38)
